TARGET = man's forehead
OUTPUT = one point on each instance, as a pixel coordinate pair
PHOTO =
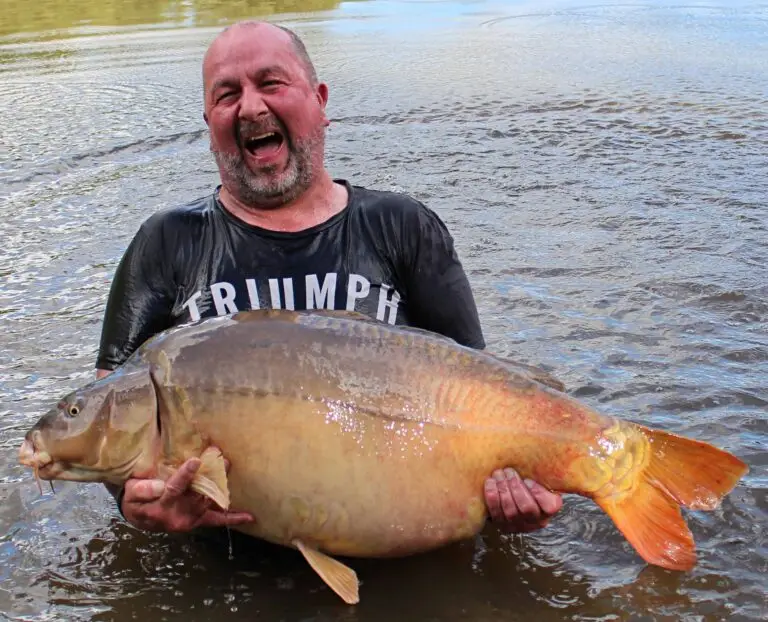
(253, 44)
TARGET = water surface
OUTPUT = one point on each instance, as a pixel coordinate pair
(603, 167)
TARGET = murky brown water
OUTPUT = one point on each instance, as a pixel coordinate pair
(604, 168)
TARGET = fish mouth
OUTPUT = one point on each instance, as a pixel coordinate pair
(40, 461)
(30, 456)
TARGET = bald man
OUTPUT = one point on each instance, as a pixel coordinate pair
(280, 232)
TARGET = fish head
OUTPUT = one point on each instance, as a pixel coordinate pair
(101, 432)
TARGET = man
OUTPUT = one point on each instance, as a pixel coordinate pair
(280, 232)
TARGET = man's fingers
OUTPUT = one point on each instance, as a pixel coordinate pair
(517, 505)
(179, 482)
(505, 483)
(526, 505)
(499, 498)
(492, 500)
(549, 502)
(143, 490)
(218, 518)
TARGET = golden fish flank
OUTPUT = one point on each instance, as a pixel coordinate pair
(322, 521)
(311, 407)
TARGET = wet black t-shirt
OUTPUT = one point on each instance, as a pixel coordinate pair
(385, 255)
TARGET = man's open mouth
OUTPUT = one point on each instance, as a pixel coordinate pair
(263, 145)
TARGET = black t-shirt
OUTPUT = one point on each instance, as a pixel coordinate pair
(385, 255)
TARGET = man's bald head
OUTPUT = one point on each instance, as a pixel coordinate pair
(295, 41)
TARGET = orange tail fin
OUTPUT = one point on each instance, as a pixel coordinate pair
(683, 472)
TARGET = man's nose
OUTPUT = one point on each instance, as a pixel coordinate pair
(252, 104)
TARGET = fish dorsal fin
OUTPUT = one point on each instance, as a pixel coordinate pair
(534, 373)
(340, 578)
(361, 317)
(259, 315)
(211, 478)
(341, 314)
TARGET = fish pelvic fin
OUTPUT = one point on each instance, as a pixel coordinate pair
(679, 472)
(211, 478)
(340, 578)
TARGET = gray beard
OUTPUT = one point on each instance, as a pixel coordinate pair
(262, 188)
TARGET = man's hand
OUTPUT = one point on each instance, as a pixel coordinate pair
(519, 506)
(155, 505)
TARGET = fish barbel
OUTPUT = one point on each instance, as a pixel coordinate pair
(347, 436)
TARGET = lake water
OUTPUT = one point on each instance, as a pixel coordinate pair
(604, 169)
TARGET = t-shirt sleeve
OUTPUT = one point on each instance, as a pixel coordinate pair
(439, 295)
(140, 299)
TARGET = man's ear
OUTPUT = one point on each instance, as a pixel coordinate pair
(321, 92)
(322, 98)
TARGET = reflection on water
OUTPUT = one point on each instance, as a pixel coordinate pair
(19, 17)
(603, 167)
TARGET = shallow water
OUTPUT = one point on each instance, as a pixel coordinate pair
(603, 167)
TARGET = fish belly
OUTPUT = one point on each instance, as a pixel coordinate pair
(349, 482)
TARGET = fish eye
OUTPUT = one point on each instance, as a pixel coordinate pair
(74, 410)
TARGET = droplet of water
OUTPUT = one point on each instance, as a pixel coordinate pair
(229, 538)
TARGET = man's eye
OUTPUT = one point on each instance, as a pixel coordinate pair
(224, 95)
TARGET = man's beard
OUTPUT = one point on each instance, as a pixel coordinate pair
(265, 189)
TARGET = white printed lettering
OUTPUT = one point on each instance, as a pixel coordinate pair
(321, 298)
(253, 293)
(274, 291)
(386, 303)
(357, 288)
(191, 304)
(288, 290)
(224, 297)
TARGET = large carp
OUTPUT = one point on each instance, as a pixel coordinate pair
(351, 437)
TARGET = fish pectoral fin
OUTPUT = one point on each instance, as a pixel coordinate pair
(340, 578)
(211, 478)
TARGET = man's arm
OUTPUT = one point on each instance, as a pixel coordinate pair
(438, 292)
(440, 299)
(140, 301)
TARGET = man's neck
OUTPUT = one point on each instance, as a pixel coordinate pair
(321, 201)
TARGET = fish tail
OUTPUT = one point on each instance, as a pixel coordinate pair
(679, 472)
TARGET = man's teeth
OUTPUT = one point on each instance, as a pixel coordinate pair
(260, 137)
